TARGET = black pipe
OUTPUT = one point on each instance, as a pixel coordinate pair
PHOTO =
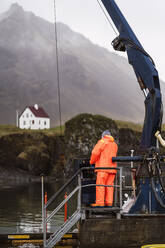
(138, 158)
(128, 159)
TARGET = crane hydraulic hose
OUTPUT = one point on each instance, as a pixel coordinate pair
(160, 179)
(156, 195)
(159, 137)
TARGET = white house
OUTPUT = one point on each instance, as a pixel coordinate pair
(34, 117)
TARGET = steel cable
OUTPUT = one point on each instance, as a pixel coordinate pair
(57, 67)
(107, 17)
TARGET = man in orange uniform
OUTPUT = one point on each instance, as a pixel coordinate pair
(102, 154)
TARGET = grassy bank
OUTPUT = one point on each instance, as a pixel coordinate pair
(130, 125)
(11, 129)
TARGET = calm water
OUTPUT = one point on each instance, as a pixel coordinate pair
(21, 207)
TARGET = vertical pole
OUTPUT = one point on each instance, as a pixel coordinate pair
(44, 236)
(42, 190)
(43, 213)
(132, 151)
(116, 189)
(46, 199)
(121, 172)
(79, 193)
(133, 176)
(17, 122)
(65, 209)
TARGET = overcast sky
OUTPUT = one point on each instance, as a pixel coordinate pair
(146, 17)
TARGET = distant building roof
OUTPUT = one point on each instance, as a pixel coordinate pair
(38, 112)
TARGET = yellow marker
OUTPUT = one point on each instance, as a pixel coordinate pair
(18, 236)
(154, 246)
(19, 242)
(67, 236)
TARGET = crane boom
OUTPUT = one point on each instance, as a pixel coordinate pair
(145, 71)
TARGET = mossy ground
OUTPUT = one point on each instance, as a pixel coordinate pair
(11, 129)
(131, 125)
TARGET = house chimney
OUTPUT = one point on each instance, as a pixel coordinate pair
(36, 106)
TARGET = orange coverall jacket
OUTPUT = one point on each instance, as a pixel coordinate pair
(102, 153)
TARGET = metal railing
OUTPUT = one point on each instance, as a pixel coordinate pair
(79, 213)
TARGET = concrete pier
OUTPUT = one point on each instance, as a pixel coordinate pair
(122, 233)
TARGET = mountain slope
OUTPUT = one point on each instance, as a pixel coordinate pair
(92, 79)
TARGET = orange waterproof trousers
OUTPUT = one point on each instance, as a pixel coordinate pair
(104, 195)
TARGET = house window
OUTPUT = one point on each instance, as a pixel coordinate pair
(24, 123)
(39, 122)
(27, 115)
(44, 122)
(23, 116)
(32, 121)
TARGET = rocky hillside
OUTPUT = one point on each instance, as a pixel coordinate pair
(31, 153)
(92, 79)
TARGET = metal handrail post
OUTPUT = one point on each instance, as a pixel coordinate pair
(44, 224)
(132, 151)
(79, 192)
(121, 172)
(43, 212)
(42, 189)
(115, 189)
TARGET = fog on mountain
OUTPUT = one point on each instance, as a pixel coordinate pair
(92, 79)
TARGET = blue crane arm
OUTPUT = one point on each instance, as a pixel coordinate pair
(145, 71)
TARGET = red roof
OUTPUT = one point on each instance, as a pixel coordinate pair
(40, 112)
